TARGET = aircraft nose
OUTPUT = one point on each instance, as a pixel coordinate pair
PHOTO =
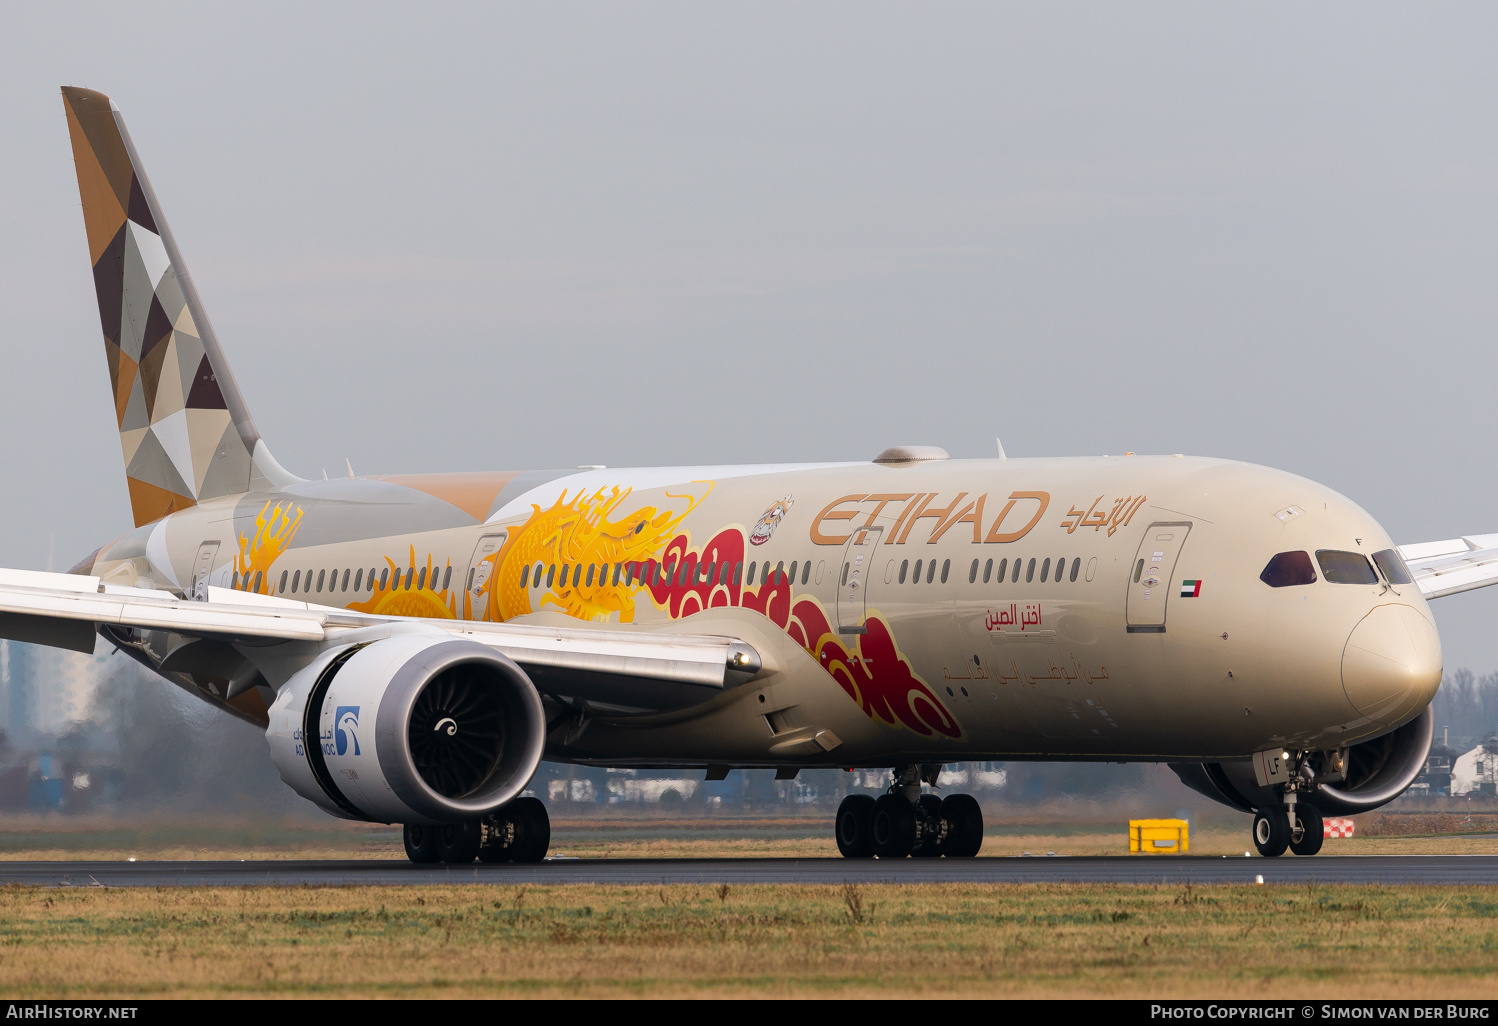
(1391, 665)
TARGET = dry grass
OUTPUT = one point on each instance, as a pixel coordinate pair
(718, 940)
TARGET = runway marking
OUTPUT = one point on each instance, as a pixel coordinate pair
(1325, 869)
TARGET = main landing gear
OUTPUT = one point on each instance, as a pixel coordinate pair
(904, 822)
(519, 832)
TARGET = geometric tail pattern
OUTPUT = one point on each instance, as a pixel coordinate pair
(184, 429)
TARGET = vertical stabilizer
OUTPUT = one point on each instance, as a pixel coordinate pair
(184, 428)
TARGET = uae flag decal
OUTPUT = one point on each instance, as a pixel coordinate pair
(1191, 589)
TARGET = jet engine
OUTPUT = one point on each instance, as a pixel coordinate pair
(415, 728)
(1361, 778)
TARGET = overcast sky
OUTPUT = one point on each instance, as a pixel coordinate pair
(498, 236)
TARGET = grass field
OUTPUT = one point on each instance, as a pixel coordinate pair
(991, 940)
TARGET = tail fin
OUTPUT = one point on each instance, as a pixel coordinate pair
(184, 428)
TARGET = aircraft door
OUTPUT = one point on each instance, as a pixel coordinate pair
(201, 568)
(481, 567)
(854, 579)
(1150, 577)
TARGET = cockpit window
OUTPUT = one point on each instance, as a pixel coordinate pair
(1288, 569)
(1393, 566)
(1345, 567)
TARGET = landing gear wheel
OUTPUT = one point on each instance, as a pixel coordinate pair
(1271, 832)
(532, 829)
(928, 813)
(853, 827)
(964, 826)
(421, 843)
(893, 826)
(458, 843)
(1307, 837)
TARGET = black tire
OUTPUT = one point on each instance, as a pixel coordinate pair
(1310, 830)
(421, 843)
(532, 829)
(928, 813)
(893, 826)
(964, 826)
(854, 827)
(1271, 832)
(458, 843)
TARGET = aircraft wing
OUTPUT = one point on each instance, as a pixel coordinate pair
(628, 669)
(1443, 568)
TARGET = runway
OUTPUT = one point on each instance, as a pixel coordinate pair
(1326, 869)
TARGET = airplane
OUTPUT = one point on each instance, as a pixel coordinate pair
(415, 645)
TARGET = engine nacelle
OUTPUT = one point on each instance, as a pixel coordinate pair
(1377, 772)
(414, 728)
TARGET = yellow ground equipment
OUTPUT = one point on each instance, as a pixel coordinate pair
(1158, 837)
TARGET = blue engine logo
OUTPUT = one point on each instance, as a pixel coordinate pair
(345, 727)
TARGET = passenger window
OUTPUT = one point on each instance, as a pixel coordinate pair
(384, 577)
(551, 574)
(805, 572)
(1284, 570)
(904, 566)
(931, 571)
(1045, 569)
(988, 571)
(738, 569)
(577, 574)
(296, 579)
(1015, 579)
(915, 578)
(589, 581)
(235, 582)
(344, 586)
(1076, 566)
(1060, 569)
(1393, 566)
(946, 566)
(321, 576)
(749, 579)
(282, 589)
(372, 578)
(707, 571)
(1345, 567)
(421, 580)
(793, 571)
(256, 588)
(525, 576)
(359, 580)
(410, 576)
(779, 577)
(1139, 569)
(1030, 571)
(972, 574)
(844, 581)
(1003, 571)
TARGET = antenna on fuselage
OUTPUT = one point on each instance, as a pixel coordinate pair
(1000, 443)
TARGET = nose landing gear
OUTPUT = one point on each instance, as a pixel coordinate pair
(903, 822)
(1296, 825)
(519, 832)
